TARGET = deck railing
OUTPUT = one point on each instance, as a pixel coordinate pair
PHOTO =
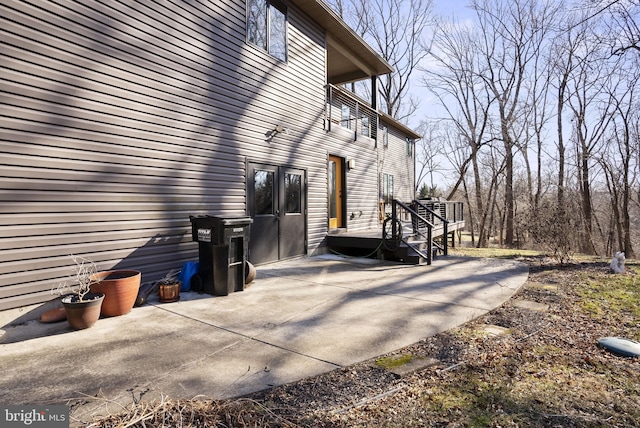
(425, 215)
(348, 112)
(450, 211)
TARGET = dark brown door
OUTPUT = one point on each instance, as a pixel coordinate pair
(277, 204)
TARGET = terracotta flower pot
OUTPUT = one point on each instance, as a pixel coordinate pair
(169, 292)
(83, 314)
(249, 273)
(120, 288)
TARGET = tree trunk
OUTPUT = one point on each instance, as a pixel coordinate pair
(508, 193)
(587, 208)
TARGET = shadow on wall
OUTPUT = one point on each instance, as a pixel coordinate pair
(155, 259)
(159, 255)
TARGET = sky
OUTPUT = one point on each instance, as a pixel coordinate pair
(429, 109)
(459, 10)
(449, 7)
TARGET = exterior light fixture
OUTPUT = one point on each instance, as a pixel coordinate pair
(281, 130)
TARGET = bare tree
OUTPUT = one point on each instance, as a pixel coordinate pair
(429, 154)
(453, 77)
(512, 35)
(356, 13)
(563, 60)
(591, 104)
(623, 30)
(497, 79)
(617, 157)
(398, 30)
(537, 115)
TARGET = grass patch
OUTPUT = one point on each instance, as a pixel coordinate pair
(394, 362)
(609, 295)
(503, 253)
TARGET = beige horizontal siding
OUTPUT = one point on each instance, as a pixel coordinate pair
(395, 160)
(120, 119)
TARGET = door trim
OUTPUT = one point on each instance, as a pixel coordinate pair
(336, 190)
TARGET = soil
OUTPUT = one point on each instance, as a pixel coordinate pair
(533, 362)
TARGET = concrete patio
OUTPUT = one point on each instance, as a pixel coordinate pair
(298, 318)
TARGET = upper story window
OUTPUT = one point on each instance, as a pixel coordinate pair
(267, 26)
(345, 116)
(387, 188)
(411, 143)
(364, 124)
(385, 136)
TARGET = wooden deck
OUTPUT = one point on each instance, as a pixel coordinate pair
(369, 243)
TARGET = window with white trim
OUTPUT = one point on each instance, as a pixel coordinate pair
(410, 145)
(385, 136)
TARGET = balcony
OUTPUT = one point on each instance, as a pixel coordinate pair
(349, 115)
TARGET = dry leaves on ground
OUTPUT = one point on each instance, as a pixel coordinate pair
(545, 370)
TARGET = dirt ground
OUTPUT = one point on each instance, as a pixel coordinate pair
(533, 362)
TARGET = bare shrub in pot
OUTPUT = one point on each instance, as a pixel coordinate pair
(81, 305)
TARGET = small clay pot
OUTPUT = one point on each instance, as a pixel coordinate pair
(168, 293)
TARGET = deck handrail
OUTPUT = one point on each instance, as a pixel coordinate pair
(415, 218)
(362, 120)
(432, 212)
(410, 211)
(453, 211)
(445, 225)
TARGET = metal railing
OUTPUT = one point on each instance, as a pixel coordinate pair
(347, 111)
(450, 211)
(393, 229)
(425, 215)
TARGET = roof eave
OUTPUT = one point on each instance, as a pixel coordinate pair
(361, 61)
(399, 125)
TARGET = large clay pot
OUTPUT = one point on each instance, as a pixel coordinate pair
(83, 314)
(120, 288)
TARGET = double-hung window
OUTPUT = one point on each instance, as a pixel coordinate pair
(387, 188)
(385, 136)
(267, 26)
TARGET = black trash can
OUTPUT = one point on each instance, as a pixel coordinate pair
(223, 244)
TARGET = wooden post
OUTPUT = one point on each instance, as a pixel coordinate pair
(445, 241)
(430, 244)
(393, 218)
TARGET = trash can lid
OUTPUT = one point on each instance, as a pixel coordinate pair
(235, 221)
(209, 220)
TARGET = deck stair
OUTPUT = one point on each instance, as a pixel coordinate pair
(412, 233)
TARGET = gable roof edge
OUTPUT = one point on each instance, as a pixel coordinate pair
(342, 34)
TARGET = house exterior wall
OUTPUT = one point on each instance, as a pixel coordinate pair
(118, 122)
(395, 160)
